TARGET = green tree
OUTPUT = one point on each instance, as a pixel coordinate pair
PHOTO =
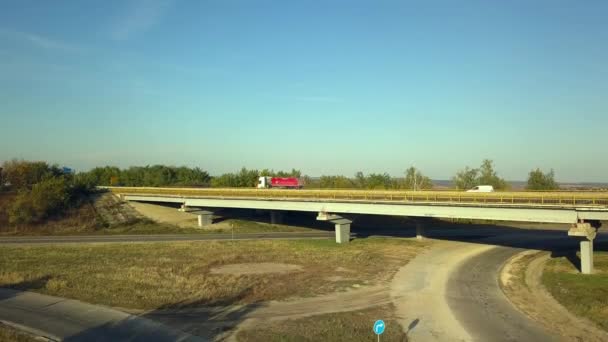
(335, 182)
(226, 180)
(484, 175)
(487, 176)
(537, 180)
(292, 173)
(466, 178)
(360, 180)
(415, 180)
(378, 181)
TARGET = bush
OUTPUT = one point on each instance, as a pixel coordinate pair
(23, 174)
(47, 198)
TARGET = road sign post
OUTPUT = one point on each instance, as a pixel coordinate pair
(379, 327)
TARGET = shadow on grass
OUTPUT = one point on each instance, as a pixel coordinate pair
(11, 290)
(569, 254)
(181, 321)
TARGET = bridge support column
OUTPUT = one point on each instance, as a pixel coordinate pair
(419, 230)
(587, 256)
(342, 226)
(205, 218)
(586, 233)
(276, 217)
(343, 232)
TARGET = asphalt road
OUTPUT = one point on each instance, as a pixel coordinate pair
(478, 303)
(452, 293)
(162, 237)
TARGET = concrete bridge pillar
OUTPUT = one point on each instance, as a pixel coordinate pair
(342, 226)
(343, 232)
(587, 256)
(276, 217)
(419, 230)
(205, 218)
(586, 233)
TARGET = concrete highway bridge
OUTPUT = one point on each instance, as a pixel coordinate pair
(584, 210)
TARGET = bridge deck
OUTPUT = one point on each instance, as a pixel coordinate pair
(561, 199)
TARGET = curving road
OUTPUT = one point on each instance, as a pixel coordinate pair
(452, 291)
(480, 306)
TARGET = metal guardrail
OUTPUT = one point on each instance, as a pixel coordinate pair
(557, 198)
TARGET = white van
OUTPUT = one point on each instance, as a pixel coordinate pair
(482, 188)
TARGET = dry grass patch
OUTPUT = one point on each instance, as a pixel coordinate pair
(177, 274)
(344, 326)
(9, 334)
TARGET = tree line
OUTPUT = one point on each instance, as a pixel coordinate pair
(22, 174)
(42, 190)
(155, 175)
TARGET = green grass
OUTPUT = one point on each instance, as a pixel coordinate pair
(8, 334)
(153, 275)
(346, 326)
(584, 295)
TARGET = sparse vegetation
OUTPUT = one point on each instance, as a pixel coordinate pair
(343, 326)
(153, 275)
(583, 295)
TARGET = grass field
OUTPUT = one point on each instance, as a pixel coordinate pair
(346, 326)
(584, 295)
(155, 275)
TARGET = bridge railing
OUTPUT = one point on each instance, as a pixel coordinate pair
(569, 198)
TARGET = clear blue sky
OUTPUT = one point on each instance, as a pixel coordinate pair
(329, 87)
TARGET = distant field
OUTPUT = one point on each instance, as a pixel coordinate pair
(584, 295)
(155, 275)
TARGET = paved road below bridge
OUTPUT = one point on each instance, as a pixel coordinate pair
(162, 237)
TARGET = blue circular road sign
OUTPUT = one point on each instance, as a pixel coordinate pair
(379, 327)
